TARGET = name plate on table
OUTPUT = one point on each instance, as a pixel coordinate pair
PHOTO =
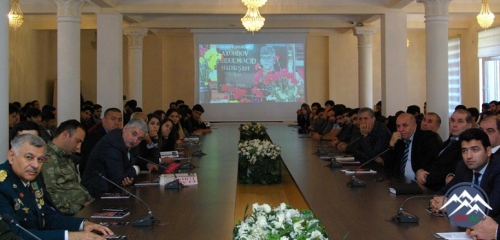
(169, 154)
(359, 171)
(186, 179)
(191, 139)
(344, 159)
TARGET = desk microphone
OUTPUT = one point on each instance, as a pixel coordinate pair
(8, 219)
(174, 184)
(144, 221)
(354, 182)
(404, 217)
(320, 151)
(334, 163)
(199, 152)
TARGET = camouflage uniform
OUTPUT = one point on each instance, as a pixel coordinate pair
(63, 182)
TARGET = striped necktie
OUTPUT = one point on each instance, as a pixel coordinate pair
(404, 159)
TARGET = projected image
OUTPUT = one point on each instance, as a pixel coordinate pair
(251, 73)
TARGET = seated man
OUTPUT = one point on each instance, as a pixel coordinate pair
(35, 115)
(431, 122)
(478, 169)
(198, 125)
(318, 121)
(413, 149)
(59, 171)
(449, 155)
(22, 197)
(375, 138)
(13, 116)
(111, 157)
(326, 131)
(349, 134)
(112, 120)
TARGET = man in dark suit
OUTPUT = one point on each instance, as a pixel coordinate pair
(375, 137)
(437, 176)
(22, 196)
(413, 149)
(478, 168)
(112, 120)
(111, 157)
(491, 126)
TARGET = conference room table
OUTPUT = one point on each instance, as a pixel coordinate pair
(206, 210)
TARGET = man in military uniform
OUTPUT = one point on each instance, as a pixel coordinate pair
(59, 171)
(22, 197)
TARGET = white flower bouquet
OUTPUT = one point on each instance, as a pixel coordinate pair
(252, 131)
(281, 223)
(259, 161)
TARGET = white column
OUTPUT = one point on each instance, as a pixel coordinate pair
(394, 62)
(436, 31)
(110, 60)
(135, 37)
(4, 79)
(365, 64)
(68, 59)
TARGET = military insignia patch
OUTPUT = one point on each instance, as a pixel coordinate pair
(3, 175)
(26, 210)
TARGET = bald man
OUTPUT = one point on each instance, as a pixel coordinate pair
(413, 149)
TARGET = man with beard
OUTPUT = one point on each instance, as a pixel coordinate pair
(349, 134)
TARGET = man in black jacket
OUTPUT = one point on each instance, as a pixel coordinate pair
(413, 149)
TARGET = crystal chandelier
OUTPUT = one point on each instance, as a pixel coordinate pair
(253, 21)
(485, 18)
(254, 3)
(15, 15)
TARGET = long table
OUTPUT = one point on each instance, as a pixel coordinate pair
(206, 211)
(359, 213)
(203, 211)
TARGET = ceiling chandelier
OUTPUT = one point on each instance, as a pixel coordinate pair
(485, 18)
(254, 3)
(15, 15)
(253, 21)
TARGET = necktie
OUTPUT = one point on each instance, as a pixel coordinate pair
(476, 178)
(404, 159)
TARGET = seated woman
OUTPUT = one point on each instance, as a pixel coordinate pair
(303, 116)
(166, 141)
(174, 115)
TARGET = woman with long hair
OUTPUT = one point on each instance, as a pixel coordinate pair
(174, 115)
(303, 116)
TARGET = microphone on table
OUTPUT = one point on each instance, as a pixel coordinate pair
(144, 221)
(404, 217)
(9, 220)
(334, 163)
(174, 184)
(199, 152)
(187, 165)
(354, 182)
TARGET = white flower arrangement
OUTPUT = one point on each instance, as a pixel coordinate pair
(281, 223)
(253, 129)
(256, 149)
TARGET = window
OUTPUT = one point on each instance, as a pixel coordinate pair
(454, 90)
(489, 75)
